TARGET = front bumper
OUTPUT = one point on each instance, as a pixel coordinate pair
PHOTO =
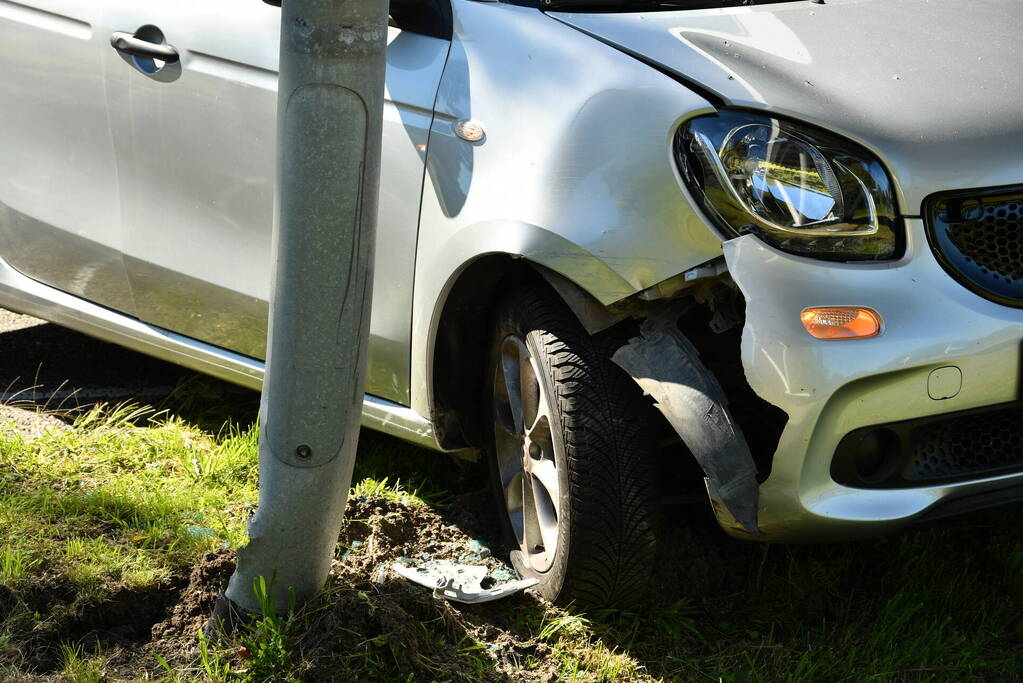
(830, 388)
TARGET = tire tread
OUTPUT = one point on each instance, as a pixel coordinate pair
(611, 469)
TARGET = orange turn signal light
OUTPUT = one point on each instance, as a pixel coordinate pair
(841, 322)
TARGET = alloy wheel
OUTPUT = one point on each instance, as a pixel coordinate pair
(525, 450)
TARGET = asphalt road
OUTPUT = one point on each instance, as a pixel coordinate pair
(46, 365)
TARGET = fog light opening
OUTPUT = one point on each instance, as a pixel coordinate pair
(877, 455)
(832, 323)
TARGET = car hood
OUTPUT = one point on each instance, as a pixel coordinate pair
(934, 87)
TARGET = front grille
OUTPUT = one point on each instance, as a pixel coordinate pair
(975, 444)
(978, 238)
(932, 450)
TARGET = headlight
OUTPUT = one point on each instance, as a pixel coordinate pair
(800, 189)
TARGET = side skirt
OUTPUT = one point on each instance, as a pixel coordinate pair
(21, 293)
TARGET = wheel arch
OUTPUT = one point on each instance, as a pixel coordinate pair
(464, 322)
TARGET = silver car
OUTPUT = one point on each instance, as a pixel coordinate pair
(769, 253)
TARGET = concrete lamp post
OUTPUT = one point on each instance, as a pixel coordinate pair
(329, 114)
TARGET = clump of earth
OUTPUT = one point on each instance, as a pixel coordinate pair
(366, 602)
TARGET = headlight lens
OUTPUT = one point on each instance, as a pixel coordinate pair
(800, 189)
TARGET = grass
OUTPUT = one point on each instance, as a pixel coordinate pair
(112, 514)
(115, 506)
(112, 501)
(14, 565)
(78, 667)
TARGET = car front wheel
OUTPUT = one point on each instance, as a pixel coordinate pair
(571, 459)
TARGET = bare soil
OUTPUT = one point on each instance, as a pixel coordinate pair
(364, 603)
(30, 424)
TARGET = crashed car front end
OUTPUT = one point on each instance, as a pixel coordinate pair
(866, 196)
(859, 453)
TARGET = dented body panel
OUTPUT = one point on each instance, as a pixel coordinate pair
(577, 179)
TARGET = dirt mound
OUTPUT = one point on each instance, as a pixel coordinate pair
(378, 532)
(194, 604)
(50, 615)
(367, 616)
(365, 602)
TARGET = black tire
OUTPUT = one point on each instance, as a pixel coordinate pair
(603, 454)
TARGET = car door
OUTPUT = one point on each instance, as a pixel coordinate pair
(59, 206)
(195, 146)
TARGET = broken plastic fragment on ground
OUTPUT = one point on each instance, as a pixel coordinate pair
(478, 548)
(462, 582)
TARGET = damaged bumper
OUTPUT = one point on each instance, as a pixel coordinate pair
(830, 389)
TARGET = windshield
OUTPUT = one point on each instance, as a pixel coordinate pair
(639, 5)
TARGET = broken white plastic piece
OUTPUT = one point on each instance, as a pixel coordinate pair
(712, 269)
(459, 582)
(673, 285)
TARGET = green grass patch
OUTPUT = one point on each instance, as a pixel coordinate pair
(120, 499)
(111, 509)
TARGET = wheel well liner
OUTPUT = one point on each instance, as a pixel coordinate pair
(459, 355)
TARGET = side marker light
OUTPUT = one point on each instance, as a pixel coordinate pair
(470, 131)
(841, 322)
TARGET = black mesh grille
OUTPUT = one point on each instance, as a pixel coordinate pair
(926, 451)
(978, 237)
(974, 445)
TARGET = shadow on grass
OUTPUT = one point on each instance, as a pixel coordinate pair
(933, 602)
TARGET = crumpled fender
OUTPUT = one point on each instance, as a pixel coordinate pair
(667, 366)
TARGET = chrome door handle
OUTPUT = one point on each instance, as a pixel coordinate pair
(137, 47)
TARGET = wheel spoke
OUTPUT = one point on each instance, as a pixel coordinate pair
(532, 398)
(546, 516)
(532, 541)
(513, 491)
(513, 356)
(546, 475)
(506, 442)
(508, 452)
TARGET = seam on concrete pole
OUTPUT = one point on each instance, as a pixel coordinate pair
(329, 117)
